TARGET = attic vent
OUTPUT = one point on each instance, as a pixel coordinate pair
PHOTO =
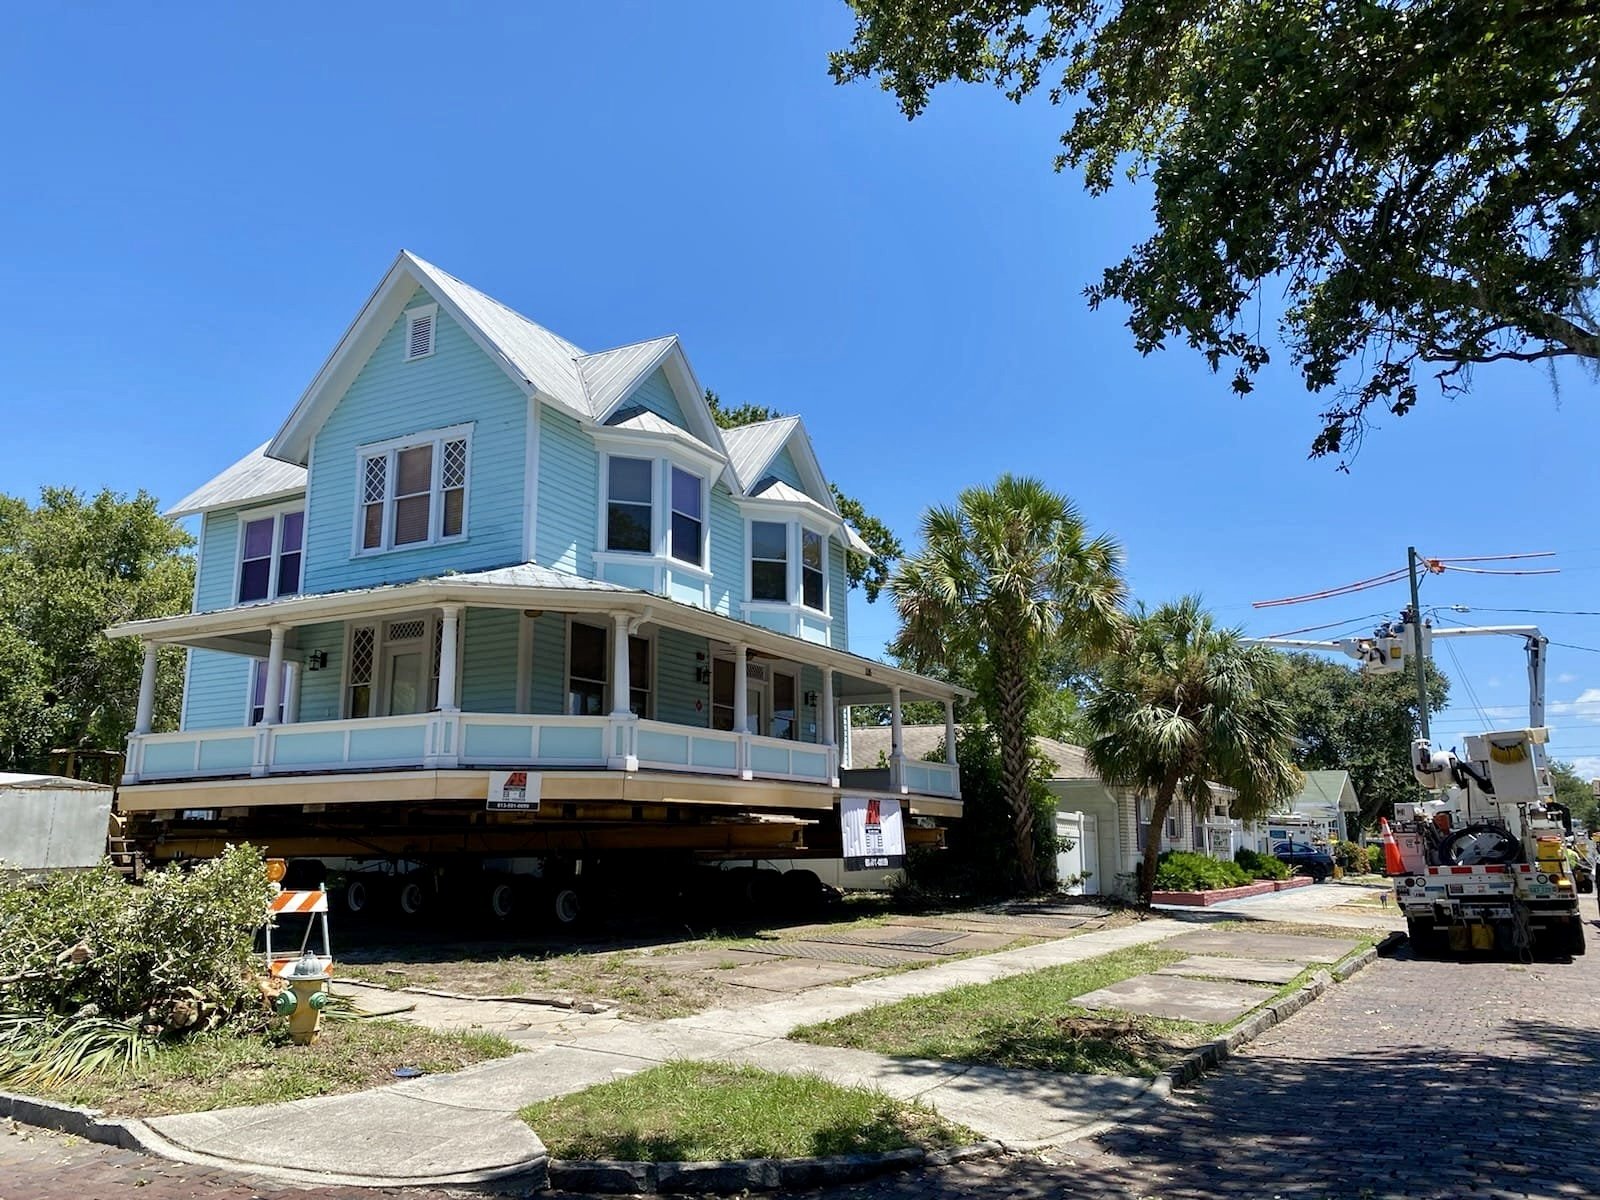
(419, 332)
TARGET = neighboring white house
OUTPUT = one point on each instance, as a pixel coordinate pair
(1318, 813)
(1103, 828)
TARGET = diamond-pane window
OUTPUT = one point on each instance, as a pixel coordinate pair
(406, 631)
(414, 494)
(455, 464)
(362, 645)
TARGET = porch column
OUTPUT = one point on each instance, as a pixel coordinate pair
(621, 683)
(950, 732)
(291, 693)
(274, 694)
(897, 751)
(449, 623)
(146, 715)
(741, 687)
(825, 718)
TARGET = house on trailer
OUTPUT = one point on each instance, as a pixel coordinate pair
(473, 549)
(1102, 828)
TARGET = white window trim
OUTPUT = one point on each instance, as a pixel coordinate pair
(411, 316)
(381, 642)
(608, 697)
(277, 513)
(794, 582)
(604, 515)
(670, 465)
(390, 450)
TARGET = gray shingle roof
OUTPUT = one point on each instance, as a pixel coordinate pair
(253, 477)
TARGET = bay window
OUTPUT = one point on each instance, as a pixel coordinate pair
(813, 580)
(413, 491)
(769, 561)
(270, 553)
(688, 518)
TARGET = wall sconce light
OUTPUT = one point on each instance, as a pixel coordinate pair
(811, 699)
(316, 660)
(702, 674)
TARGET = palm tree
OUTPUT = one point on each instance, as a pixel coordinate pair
(1183, 704)
(1001, 579)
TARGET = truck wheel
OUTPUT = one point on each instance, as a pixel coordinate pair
(566, 906)
(357, 899)
(1575, 944)
(411, 897)
(802, 891)
(1427, 939)
(501, 899)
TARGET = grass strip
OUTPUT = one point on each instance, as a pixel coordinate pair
(1026, 1022)
(223, 1070)
(706, 1112)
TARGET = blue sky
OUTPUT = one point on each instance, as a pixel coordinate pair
(196, 202)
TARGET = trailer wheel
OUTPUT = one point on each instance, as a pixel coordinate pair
(411, 898)
(500, 899)
(357, 898)
(566, 905)
(802, 891)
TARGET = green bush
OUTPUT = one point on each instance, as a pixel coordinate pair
(1353, 857)
(1261, 866)
(172, 954)
(1185, 871)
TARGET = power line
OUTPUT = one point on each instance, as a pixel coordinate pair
(1548, 612)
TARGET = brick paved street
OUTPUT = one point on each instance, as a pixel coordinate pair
(1486, 1072)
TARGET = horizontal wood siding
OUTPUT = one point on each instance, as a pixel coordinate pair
(458, 384)
(677, 691)
(320, 695)
(569, 493)
(727, 554)
(656, 394)
(782, 466)
(810, 685)
(218, 688)
(549, 664)
(489, 660)
(838, 597)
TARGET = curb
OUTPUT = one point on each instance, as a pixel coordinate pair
(1197, 1062)
(130, 1133)
(750, 1174)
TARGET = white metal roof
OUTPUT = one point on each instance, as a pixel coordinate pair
(255, 477)
(610, 375)
(14, 780)
(752, 447)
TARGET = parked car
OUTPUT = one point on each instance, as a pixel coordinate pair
(1305, 858)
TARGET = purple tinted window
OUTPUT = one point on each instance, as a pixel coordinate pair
(288, 574)
(254, 578)
(294, 526)
(258, 538)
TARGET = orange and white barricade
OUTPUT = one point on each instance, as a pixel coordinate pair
(312, 905)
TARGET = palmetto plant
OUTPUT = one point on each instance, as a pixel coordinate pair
(1001, 579)
(45, 1052)
(1183, 705)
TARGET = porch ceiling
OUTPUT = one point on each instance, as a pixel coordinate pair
(529, 587)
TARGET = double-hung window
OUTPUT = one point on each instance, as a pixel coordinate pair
(588, 674)
(813, 579)
(628, 490)
(414, 491)
(269, 556)
(769, 561)
(688, 518)
(258, 692)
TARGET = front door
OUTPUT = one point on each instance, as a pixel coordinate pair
(408, 680)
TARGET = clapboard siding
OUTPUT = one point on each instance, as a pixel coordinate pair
(569, 493)
(489, 660)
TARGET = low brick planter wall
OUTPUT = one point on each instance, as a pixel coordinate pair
(1261, 887)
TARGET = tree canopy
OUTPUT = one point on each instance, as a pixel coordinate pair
(1415, 184)
(1574, 791)
(867, 573)
(1004, 579)
(1182, 705)
(70, 567)
(1350, 721)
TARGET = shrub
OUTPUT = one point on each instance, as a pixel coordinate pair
(1185, 871)
(173, 954)
(1353, 857)
(1261, 866)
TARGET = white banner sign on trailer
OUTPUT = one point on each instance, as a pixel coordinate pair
(513, 791)
(873, 833)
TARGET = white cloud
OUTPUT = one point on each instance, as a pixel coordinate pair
(1588, 766)
(1494, 681)
(1585, 708)
(1568, 678)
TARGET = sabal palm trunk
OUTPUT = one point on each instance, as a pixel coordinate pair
(1152, 841)
(1011, 688)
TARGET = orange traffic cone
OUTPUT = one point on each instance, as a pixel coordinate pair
(1392, 862)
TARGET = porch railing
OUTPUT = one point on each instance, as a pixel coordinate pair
(449, 740)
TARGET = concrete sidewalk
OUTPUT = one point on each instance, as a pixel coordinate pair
(463, 1126)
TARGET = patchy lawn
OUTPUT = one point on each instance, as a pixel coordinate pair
(704, 1112)
(222, 1070)
(1027, 1021)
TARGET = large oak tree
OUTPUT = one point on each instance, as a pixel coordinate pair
(1412, 187)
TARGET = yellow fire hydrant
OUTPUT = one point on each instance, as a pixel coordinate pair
(304, 999)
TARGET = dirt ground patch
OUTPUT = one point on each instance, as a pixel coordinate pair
(671, 977)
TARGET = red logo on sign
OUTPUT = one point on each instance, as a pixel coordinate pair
(874, 813)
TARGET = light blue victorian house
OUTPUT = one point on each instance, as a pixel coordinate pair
(474, 548)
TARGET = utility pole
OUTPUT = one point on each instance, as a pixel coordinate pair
(1419, 654)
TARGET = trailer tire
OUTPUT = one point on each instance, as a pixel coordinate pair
(411, 897)
(565, 906)
(500, 900)
(802, 891)
(1575, 942)
(357, 899)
